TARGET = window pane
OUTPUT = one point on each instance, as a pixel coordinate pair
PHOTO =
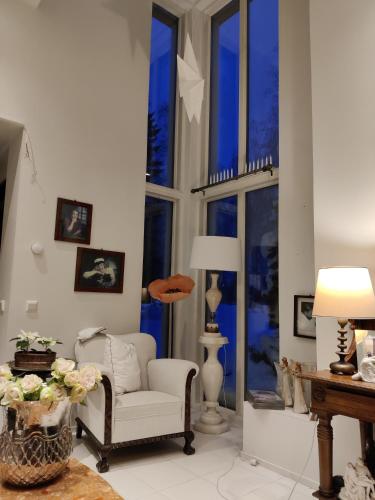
(225, 90)
(157, 264)
(162, 95)
(263, 80)
(222, 221)
(262, 274)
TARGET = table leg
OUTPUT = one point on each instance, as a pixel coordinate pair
(325, 442)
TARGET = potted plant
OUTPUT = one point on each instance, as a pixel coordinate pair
(36, 440)
(29, 358)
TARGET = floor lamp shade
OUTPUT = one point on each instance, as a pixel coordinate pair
(344, 292)
(216, 253)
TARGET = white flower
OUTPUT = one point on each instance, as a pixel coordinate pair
(47, 341)
(31, 336)
(90, 376)
(5, 372)
(13, 392)
(53, 392)
(61, 367)
(78, 394)
(72, 378)
(31, 383)
(47, 394)
(3, 385)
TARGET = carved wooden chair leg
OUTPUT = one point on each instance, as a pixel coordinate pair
(103, 464)
(79, 431)
(189, 438)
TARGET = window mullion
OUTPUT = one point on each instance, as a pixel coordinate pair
(242, 129)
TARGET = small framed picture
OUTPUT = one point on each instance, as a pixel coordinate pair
(73, 221)
(99, 271)
(304, 323)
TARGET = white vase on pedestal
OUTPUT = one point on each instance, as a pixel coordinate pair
(211, 421)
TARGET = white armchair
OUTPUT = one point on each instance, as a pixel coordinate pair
(160, 410)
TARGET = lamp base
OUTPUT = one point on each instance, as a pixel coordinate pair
(342, 368)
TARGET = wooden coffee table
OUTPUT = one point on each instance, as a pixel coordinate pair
(77, 482)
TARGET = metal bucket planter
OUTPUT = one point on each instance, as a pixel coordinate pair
(36, 442)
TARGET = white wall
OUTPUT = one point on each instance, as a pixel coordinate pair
(343, 82)
(296, 234)
(76, 74)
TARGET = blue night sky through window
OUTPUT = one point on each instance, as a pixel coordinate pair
(162, 94)
(225, 90)
(222, 221)
(263, 80)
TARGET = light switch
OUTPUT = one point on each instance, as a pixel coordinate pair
(32, 306)
(2, 306)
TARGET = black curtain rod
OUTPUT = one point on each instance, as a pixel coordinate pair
(266, 168)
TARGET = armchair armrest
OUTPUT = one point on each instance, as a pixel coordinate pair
(171, 376)
(100, 405)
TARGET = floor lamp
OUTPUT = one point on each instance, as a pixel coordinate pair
(214, 254)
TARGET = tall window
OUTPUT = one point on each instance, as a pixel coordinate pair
(225, 59)
(263, 80)
(162, 97)
(158, 228)
(262, 299)
(156, 265)
(222, 221)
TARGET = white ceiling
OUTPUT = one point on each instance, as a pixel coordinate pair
(198, 4)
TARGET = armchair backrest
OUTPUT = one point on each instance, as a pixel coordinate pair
(93, 351)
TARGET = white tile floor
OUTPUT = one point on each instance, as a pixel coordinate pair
(162, 472)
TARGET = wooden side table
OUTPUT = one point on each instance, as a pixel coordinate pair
(340, 395)
(43, 373)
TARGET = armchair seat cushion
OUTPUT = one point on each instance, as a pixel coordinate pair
(147, 404)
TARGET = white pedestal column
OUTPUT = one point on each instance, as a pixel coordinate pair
(211, 421)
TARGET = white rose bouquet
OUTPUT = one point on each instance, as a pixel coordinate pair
(66, 381)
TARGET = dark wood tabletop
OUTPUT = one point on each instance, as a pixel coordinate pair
(344, 381)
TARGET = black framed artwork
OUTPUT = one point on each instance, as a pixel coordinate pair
(73, 221)
(100, 271)
(304, 322)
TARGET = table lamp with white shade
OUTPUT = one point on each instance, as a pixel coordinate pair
(343, 293)
(215, 254)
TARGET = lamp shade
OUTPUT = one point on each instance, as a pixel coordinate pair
(216, 253)
(344, 292)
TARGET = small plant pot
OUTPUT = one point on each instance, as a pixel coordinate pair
(33, 360)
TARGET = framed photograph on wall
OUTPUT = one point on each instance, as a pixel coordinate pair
(304, 323)
(99, 271)
(73, 221)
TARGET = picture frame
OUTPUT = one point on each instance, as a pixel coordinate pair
(304, 323)
(99, 271)
(73, 221)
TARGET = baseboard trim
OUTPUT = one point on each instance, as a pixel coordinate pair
(280, 470)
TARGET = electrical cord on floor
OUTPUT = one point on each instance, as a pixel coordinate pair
(306, 464)
(235, 458)
(222, 476)
(225, 374)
